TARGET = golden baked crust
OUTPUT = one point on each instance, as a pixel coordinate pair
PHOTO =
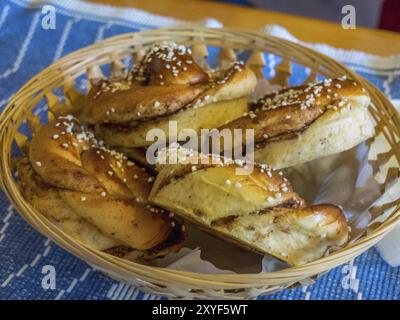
(209, 116)
(98, 185)
(167, 85)
(291, 110)
(260, 211)
(296, 236)
(279, 118)
(47, 201)
(165, 81)
(139, 102)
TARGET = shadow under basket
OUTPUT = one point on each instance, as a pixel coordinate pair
(50, 93)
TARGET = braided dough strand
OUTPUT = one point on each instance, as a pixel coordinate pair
(99, 185)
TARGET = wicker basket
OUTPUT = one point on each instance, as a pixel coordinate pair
(59, 79)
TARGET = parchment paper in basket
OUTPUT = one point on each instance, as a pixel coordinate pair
(350, 179)
(389, 247)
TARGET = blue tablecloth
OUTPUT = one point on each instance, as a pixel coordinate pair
(25, 49)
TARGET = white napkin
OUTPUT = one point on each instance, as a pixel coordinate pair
(389, 247)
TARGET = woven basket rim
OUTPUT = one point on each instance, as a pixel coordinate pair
(235, 279)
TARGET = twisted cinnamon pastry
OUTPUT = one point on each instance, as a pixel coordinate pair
(259, 211)
(46, 199)
(167, 85)
(94, 193)
(299, 124)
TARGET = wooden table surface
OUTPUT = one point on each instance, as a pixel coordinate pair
(306, 29)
